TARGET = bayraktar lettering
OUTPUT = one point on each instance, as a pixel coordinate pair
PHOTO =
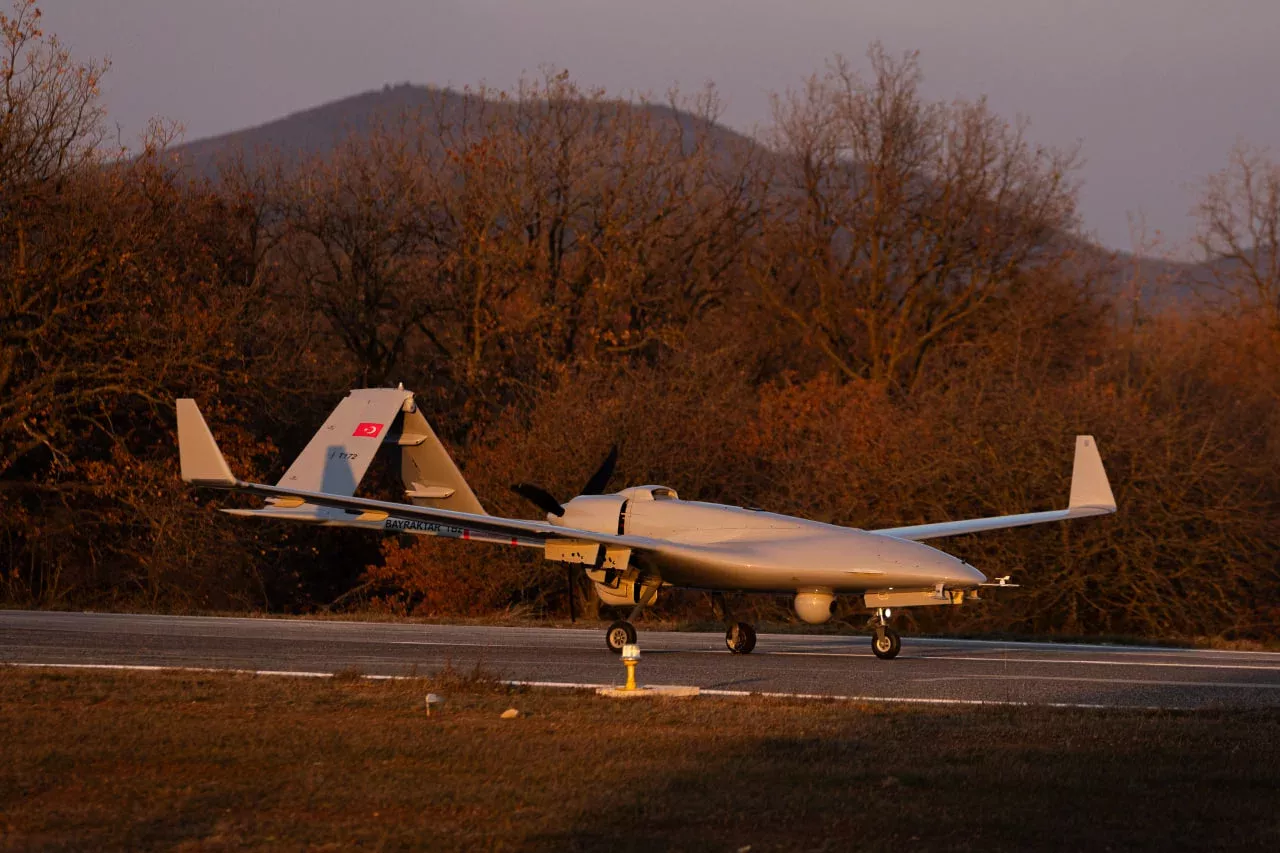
(412, 525)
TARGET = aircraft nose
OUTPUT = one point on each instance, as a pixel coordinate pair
(967, 575)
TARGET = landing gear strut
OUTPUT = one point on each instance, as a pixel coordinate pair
(886, 643)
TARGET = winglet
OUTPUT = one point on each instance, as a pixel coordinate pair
(202, 462)
(1089, 486)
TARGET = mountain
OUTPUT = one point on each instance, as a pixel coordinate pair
(1156, 282)
(318, 129)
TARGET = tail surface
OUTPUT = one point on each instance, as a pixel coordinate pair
(430, 476)
(339, 454)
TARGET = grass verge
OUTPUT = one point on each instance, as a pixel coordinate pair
(208, 761)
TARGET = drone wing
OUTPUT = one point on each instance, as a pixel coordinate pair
(1090, 495)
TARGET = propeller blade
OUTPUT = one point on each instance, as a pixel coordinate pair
(539, 497)
(600, 479)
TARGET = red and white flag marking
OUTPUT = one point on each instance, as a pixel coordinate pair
(367, 430)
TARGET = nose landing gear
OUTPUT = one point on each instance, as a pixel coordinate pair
(740, 638)
(886, 643)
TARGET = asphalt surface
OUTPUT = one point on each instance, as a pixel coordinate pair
(926, 670)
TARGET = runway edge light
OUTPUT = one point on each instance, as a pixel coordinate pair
(630, 657)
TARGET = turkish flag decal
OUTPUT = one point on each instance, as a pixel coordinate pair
(368, 430)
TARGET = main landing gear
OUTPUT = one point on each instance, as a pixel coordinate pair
(623, 633)
(739, 637)
(886, 643)
(620, 633)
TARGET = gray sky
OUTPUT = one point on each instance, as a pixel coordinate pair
(1157, 91)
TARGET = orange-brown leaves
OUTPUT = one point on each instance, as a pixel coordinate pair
(882, 319)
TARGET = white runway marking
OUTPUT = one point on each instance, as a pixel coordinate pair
(138, 667)
(825, 697)
(1240, 684)
(1107, 647)
(1077, 661)
(573, 685)
(1110, 662)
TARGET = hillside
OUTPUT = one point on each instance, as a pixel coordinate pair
(318, 129)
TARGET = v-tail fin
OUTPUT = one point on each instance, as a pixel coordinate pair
(431, 478)
(339, 454)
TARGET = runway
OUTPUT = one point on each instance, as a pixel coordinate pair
(928, 670)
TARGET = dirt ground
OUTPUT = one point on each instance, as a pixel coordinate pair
(204, 761)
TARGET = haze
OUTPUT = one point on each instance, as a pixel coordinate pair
(1157, 91)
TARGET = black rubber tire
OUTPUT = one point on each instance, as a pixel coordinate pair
(620, 630)
(886, 644)
(746, 639)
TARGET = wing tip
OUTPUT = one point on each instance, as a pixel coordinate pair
(1090, 488)
(200, 460)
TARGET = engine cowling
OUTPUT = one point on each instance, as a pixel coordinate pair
(599, 513)
(815, 606)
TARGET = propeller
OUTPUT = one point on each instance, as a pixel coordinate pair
(546, 502)
(596, 485)
(539, 497)
(600, 479)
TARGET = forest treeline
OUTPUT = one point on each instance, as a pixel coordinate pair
(878, 313)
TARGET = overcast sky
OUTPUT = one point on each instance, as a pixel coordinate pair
(1157, 91)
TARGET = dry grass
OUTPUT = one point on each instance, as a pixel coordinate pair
(198, 761)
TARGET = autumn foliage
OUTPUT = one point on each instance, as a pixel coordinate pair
(879, 313)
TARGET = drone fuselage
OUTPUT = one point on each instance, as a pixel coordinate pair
(719, 547)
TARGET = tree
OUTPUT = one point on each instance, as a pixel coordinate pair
(358, 236)
(896, 221)
(1239, 234)
(50, 129)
